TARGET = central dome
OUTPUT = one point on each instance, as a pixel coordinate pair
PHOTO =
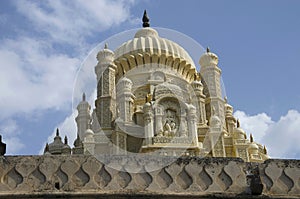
(147, 40)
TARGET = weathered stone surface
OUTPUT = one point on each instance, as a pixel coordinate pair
(40, 176)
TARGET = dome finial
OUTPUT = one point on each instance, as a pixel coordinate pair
(251, 137)
(207, 49)
(145, 20)
(265, 149)
(57, 132)
(66, 139)
(83, 96)
(105, 46)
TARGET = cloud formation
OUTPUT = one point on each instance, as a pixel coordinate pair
(72, 21)
(281, 137)
(39, 62)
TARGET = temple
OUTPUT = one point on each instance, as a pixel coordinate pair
(152, 99)
(160, 128)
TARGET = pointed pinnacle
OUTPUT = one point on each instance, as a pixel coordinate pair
(57, 132)
(207, 50)
(83, 96)
(66, 139)
(145, 20)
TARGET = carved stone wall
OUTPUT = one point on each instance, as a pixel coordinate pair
(80, 176)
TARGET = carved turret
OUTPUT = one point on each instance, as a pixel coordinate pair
(83, 118)
(211, 74)
(106, 89)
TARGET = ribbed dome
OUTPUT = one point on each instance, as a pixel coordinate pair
(148, 40)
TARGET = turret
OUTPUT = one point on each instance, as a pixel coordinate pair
(106, 90)
(211, 74)
(105, 58)
(89, 142)
(229, 118)
(125, 99)
(66, 148)
(57, 147)
(199, 100)
(83, 118)
(78, 146)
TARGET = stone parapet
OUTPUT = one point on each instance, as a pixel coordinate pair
(81, 176)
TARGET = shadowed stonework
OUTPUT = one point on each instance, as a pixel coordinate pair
(81, 176)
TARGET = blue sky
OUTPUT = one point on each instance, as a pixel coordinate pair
(43, 43)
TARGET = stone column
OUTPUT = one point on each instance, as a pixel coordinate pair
(121, 140)
(192, 123)
(199, 101)
(83, 118)
(148, 121)
(183, 130)
(158, 121)
(125, 100)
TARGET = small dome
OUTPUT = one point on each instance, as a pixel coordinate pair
(124, 84)
(239, 133)
(56, 146)
(253, 146)
(208, 59)
(88, 133)
(147, 107)
(105, 56)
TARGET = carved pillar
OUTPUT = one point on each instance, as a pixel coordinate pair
(192, 123)
(148, 121)
(158, 120)
(121, 140)
(125, 99)
(216, 138)
(183, 127)
(230, 120)
(199, 101)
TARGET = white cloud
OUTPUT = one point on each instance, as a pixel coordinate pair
(39, 64)
(33, 80)
(281, 137)
(10, 131)
(255, 124)
(71, 21)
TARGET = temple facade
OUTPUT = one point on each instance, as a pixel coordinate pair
(152, 99)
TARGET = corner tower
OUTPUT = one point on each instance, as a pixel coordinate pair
(106, 90)
(211, 74)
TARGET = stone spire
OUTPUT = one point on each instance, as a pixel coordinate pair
(66, 140)
(46, 150)
(83, 97)
(146, 20)
(251, 137)
(57, 132)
